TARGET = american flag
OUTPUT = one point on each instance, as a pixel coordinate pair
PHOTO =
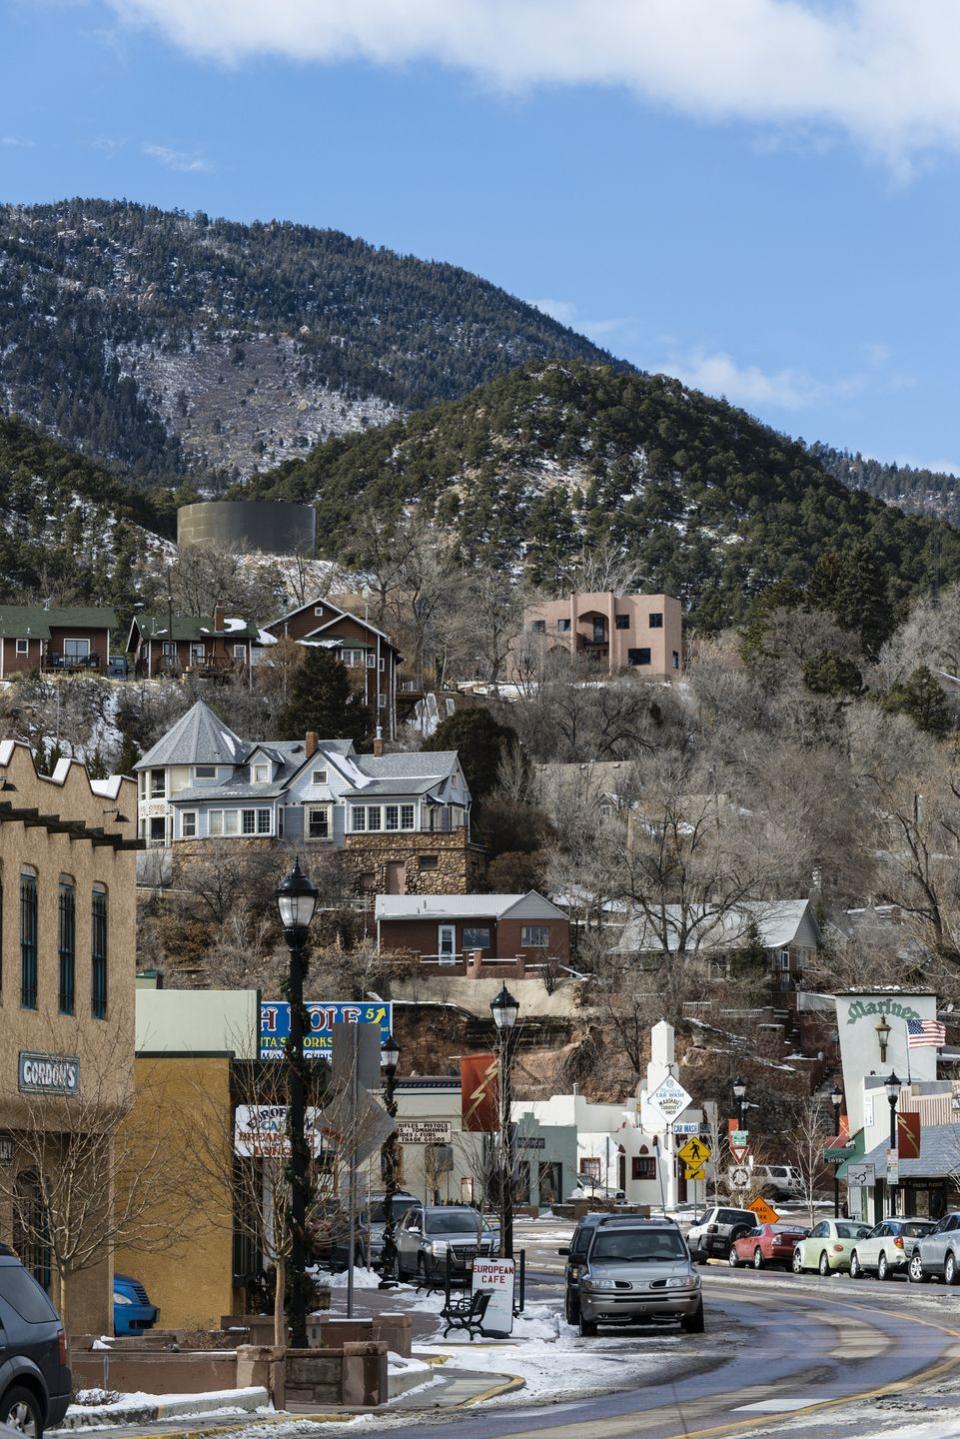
(922, 1032)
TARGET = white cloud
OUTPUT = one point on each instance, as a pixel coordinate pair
(880, 71)
(748, 385)
(15, 142)
(565, 311)
(181, 160)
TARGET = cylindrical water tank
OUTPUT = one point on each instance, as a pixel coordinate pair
(272, 527)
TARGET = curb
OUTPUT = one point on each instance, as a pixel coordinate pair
(99, 1418)
(509, 1384)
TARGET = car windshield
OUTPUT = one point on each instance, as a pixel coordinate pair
(453, 1221)
(634, 1246)
(378, 1209)
(852, 1231)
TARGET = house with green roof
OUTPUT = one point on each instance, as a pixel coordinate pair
(65, 637)
(172, 644)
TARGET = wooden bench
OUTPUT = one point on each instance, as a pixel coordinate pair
(467, 1313)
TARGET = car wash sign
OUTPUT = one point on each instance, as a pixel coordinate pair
(48, 1073)
(322, 1015)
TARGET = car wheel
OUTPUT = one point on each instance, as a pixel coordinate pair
(588, 1328)
(757, 1258)
(883, 1268)
(950, 1270)
(21, 1410)
(915, 1270)
(732, 1259)
(571, 1309)
(856, 1272)
(693, 1323)
(824, 1265)
(797, 1262)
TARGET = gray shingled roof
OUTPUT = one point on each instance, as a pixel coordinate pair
(939, 1154)
(200, 737)
(214, 792)
(434, 764)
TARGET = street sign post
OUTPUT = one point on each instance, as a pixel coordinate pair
(689, 1172)
(861, 1176)
(738, 1142)
(669, 1099)
(893, 1169)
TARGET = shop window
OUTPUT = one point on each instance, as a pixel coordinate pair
(31, 1240)
(67, 946)
(98, 954)
(28, 940)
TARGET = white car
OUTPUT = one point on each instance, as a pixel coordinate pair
(886, 1249)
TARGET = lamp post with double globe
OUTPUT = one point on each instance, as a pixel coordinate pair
(505, 1009)
(389, 1058)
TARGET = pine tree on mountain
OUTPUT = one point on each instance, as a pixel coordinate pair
(923, 699)
(853, 585)
(129, 754)
(323, 700)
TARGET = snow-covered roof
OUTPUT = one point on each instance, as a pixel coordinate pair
(777, 922)
(531, 905)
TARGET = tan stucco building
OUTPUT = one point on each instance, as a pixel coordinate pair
(67, 942)
(619, 632)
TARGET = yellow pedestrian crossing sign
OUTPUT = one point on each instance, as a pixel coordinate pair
(694, 1153)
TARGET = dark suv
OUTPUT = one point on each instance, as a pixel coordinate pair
(35, 1381)
(576, 1257)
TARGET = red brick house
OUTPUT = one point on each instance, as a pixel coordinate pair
(368, 654)
(475, 934)
(65, 638)
(173, 644)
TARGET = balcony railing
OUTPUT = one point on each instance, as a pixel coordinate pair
(70, 662)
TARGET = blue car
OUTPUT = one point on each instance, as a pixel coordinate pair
(132, 1310)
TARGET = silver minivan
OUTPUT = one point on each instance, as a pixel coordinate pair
(639, 1273)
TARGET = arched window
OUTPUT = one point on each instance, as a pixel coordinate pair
(67, 945)
(28, 939)
(31, 1234)
(98, 953)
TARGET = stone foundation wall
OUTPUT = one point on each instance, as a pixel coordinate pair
(460, 865)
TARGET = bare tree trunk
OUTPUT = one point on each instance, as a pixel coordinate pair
(279, 1315)
(64, 1308)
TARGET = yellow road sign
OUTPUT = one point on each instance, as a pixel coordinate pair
(694, 1172)
(765, 1212)
(695, 1151)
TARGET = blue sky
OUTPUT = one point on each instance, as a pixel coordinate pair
(772, 217)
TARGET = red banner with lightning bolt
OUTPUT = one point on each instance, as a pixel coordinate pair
(480, 1093)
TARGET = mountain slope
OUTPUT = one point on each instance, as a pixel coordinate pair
(919, 491)
(169, 342)
(69, 530)
(710, 504)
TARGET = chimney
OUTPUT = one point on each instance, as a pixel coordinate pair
(378, 742)
(218, 619)
(310, 744)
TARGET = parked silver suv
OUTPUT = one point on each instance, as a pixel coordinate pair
(432, 1237)
(639, 1274)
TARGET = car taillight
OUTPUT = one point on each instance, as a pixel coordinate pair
(62, 1347)
(838, 1249)
(898, 1242)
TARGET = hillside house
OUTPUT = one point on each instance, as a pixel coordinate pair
(787, 930)
(476, 935)
(618, 632)
(402, 820)
(369, 656)
(62, 638)
(173, 644)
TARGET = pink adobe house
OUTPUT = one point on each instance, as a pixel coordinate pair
(619, 632)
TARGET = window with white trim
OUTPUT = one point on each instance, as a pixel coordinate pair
(352, 658)
(204, 771)
(534, 936)
(319, 776)
(260, 773)
(391, 816)
(374, 816)
(158, 784)
(188, 824)
(784, 959)
(318, 821)
(358, 819)
(407, 816)
(23, 647)
(382, 700)
(239, 651)
(371, 661)
(224, 822)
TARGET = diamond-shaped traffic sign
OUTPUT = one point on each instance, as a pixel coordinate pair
(694, 1153)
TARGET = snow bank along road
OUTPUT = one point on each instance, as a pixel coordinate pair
(828, 1360)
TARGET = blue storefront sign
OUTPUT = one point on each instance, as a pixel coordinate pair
(323, 1015)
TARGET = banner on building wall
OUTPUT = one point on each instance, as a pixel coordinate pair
(874, 1038)
(322, 1015)
(480, 1093)
(260, 1131)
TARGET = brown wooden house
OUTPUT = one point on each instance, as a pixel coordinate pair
(65, 638)
(367, 653)
(173, 644)
(475, 934)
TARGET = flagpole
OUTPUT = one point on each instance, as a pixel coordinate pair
(906, 1025)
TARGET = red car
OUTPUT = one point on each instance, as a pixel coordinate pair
(767, 1244)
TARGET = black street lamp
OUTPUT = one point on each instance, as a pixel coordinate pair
(505, 1009)
(296, 901)
(389, 1058)
(836, 1099)
(739, 1091)
(892, 1085)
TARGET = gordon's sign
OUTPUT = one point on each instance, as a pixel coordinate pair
(49, 1073)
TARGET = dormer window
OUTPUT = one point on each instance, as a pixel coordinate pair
(205, 771)
(319, 776)
(261, 774)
